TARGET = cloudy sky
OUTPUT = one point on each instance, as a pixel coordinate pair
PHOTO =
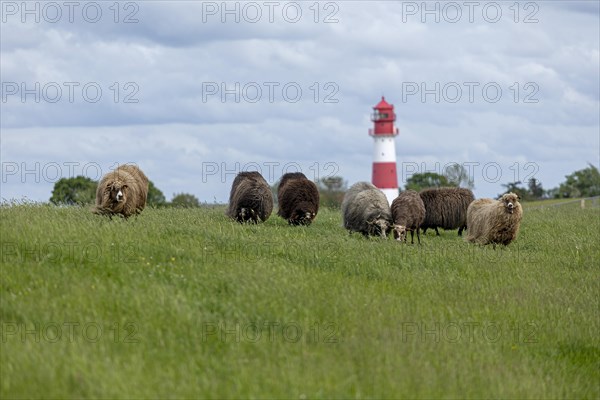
(194, 92)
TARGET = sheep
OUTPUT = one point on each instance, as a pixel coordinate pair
(494, 221)
(298, 199)
(366, 210)
(289, 176)
(446, 208)
(408, 213)
(353, 191)
(122, 191)
(250, 198)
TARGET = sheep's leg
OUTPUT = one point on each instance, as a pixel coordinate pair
(437, 233)
(418, 236)
(412, 237)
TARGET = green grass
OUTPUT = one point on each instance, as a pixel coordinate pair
(574, 203)
(186, 303)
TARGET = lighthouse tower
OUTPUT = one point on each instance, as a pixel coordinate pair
(384, 152)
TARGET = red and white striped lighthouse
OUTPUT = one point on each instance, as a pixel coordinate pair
(384, 134)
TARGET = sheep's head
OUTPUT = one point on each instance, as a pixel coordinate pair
(302, 216)
(247, 214)
(379, 226)
(510, 201)
(399, 232)
(117, 193)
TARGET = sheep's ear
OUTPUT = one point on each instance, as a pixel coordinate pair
(124, 187)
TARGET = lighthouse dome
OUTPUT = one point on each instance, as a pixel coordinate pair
(383, 112)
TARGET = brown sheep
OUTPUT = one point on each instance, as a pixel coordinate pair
(298, 199)
(446, 208)
(250, 199)
(289, 176)
(408, 213)
(494, 221)
(122, 191)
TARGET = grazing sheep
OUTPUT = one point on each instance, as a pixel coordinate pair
(353, 191)
(122, 191)
(250, 198)
(298, 199)
(408, 213)
(287, 177)
(366, 210)
(446, 208)
(494, 221)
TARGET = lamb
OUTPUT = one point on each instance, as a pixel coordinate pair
(408, 213)
(446, 208)
(494, 221)
(250, 198)
(366, 210)
(298, 199)
(122, 191)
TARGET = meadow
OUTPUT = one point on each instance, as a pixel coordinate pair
(186, 303)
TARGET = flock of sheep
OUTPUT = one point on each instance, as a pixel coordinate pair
(365, 208)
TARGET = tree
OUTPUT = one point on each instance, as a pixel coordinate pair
(331, 191)
(582, 183)
(155, 198)
(333, 183)
(533, 191)
(457, 175)
(426, 180)
(536, 191)
(185, 200)
(78, 190)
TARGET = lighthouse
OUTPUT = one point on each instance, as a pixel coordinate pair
(384, 135)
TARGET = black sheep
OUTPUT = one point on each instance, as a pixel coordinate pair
(298, 199)
(250, 199)
(446, 208)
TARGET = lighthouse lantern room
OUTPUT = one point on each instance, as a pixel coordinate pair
(384, 135)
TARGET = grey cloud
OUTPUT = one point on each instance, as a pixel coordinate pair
(171, 55)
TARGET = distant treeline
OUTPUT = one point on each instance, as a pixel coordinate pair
(582, 183)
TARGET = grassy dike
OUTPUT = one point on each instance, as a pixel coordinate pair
(184, 302)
